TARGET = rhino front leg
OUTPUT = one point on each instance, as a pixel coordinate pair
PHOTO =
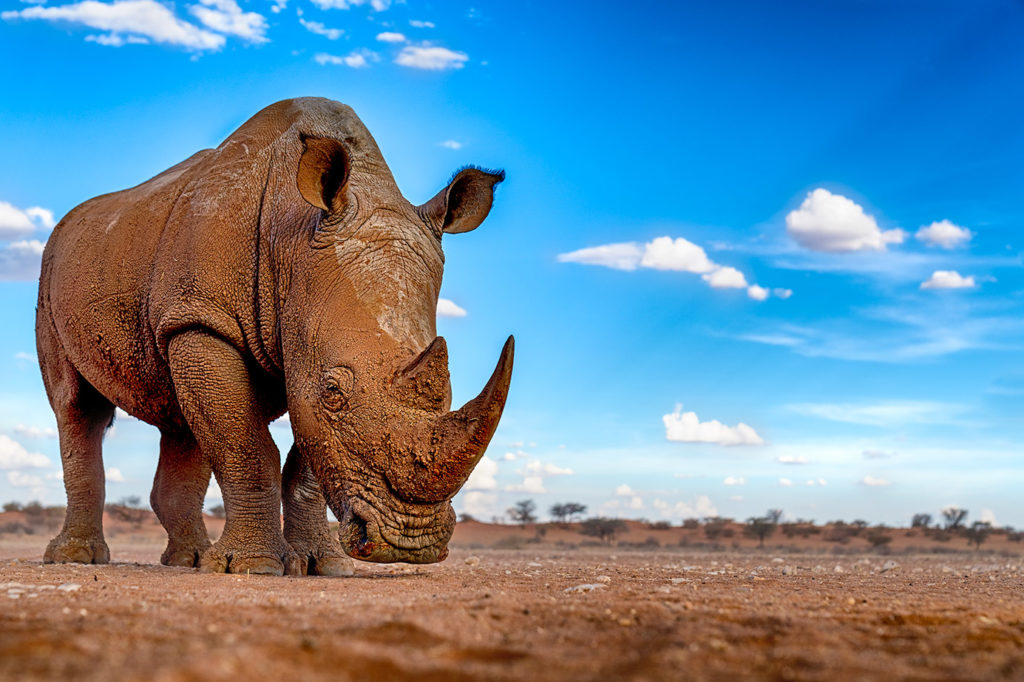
(305, 521)
(177, 498)
(221, 405)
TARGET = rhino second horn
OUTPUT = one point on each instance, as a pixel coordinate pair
(460, 438)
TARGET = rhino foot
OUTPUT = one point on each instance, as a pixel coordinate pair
(71, 548)
(242, 558)
(323, 557)
(184, 554)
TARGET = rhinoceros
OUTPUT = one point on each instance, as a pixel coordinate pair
(281, 271)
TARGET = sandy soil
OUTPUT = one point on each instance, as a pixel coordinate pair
(585, 614)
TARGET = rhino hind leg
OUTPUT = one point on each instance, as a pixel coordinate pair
(82, 417)
(179, 488)
(221, 403)
(305, 521)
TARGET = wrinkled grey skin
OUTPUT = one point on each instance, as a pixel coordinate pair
(281, 271)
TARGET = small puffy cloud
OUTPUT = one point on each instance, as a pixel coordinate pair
(283, 422)
(16, 223)
(145, 19)
(34, 432)
(944, 234)
(734, 480)
(21, 260)
(623, 490)
(725, 278)
(665, 253)
(834, 224)
(530, 484)
(948, 279)
(278, 6)
(390, 37)
(20, 479)
(415, 23)
(817, 482)
(785, 482)
(702, 507)
(451, 144)
(757, 293)
(547, 469)
(114, 475)
(877, 454)
(225, 16)
(988, 516)
(13, 455)
(482, 477)
(359, 59)
(782, 293)
(534, 474)
(26, 357)
(448, 308)
(874, 482)
(791, 459)
(685, 427)
(431, 58)
(624, 256)
(121, 414)
(321, 30)
(378, 5)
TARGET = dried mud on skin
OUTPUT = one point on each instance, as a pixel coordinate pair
(504, 615)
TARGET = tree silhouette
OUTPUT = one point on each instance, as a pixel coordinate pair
(954, 516)
(759, 527)
(523, 512)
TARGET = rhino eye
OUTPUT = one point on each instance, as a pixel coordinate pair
(337, 388)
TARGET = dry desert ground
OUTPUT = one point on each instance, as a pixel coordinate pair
(538, 612)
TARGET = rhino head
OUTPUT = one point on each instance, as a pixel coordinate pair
(366, 375)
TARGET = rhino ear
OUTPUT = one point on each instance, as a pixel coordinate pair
(464, 203)
(323, 173)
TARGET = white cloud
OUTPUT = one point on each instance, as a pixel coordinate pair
(16, 223)
(22, 480)
(278, 6)
(832, 223)
(114, 475)
(885, 414)
(282, 422)
(685, 427)
(734, 480)
(534, 474)
(948, 279)
(448, 308)
(988, 516)
(378, 5)
(782, 293)
(944, 234)
(624, 256)
(21, 260)
(415, 23)
(451, 144)
(356, 60)
(225, 16)
(321, 30)
(785, 482)
(509, 456)
(482, 477)
(34, 431)
(791, 459)
(702, 507)
(546, 469)
(13, 455)
(623, 490)
(431, 58)
(873, 482)
(115, 40)
(530, 484)
(390, 37)
(726, 278)
(27, 357)
(479, 505)
(757, 293)
(148, 19)
(213, 490)
(665, 253)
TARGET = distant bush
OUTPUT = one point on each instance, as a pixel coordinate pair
(691, 524)
(603, 528)
(660, 525)
(511, 542)
(17, 528)
(12, 506)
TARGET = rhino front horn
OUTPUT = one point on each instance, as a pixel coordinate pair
(459, 438)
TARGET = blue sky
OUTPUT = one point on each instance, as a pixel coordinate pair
(754, 254)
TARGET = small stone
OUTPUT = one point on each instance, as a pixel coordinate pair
(625, 622)
(680, 581)
(603, 579)
(534, 564)
(788, 570)
(778, 560)
(585, 587)
(839, 569)
(69, 587)
(472, 561)
(890, 565)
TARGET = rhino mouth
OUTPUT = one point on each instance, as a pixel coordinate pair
(370, 534)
